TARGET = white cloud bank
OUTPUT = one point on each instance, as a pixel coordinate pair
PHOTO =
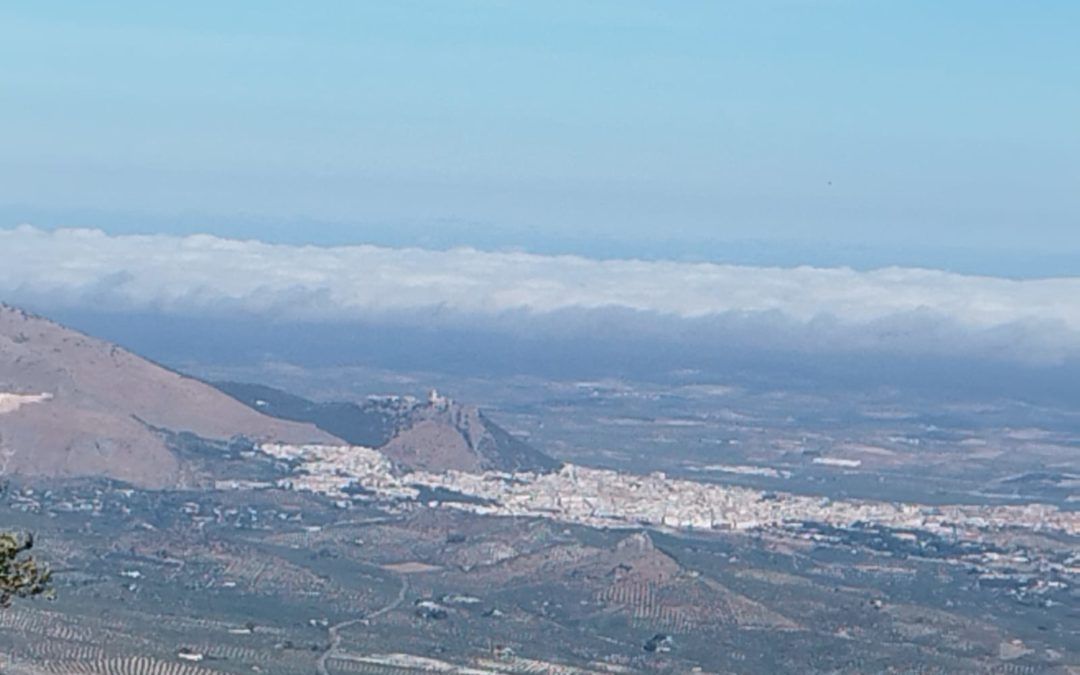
(1032, 320)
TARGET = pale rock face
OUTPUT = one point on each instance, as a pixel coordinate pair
(9, 402)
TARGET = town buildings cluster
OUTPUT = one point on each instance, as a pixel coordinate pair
(607, 498)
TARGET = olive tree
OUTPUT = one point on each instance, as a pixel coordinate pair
(20, 574)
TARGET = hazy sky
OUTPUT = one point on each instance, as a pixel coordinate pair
(941, 134)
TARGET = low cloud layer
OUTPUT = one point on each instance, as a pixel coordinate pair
(895, 310)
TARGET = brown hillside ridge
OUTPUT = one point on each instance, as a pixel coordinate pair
(439, 437)
(446, 436)
(72, 405)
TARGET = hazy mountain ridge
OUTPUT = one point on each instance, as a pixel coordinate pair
(79, 406)
(435, 435)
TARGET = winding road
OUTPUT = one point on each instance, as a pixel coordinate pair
(335, 630)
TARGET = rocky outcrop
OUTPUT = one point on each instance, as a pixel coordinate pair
(435, 435)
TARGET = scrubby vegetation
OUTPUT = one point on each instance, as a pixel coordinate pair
(20, 574)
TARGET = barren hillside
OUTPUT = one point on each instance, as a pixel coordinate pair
(72, 405)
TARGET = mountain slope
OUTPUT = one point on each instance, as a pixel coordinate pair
(72, 405)
(435, 435)
(371, 424)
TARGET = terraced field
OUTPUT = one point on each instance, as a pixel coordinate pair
(274, 582)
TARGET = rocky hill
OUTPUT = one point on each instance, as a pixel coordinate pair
(433, 435)
(72, 405)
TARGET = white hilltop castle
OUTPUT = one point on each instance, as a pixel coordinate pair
(435, 400)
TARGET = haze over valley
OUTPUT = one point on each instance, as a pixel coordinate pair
(345, 496)
(528, 338)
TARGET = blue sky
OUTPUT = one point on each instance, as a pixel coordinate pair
(773, 132)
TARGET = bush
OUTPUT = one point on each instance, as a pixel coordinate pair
(20, 574)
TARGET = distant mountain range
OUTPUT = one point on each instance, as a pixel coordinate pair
(72, 405)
